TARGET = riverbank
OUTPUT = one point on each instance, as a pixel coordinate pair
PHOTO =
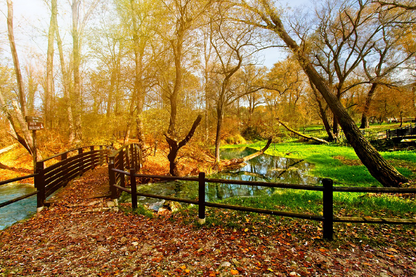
(340, 163)
(84, 235)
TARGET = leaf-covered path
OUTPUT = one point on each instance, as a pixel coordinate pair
(83, 235)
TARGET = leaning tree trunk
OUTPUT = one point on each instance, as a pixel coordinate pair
(239, 162)
(174, 147)
(379, 168)
(302, 135)
(20, 112)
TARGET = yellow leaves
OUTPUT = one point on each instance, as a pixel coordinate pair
(234, 272)
(187, 270)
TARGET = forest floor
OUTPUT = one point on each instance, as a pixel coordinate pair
(82, 234)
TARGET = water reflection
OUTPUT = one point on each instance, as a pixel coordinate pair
(21, 209)
(263, 168)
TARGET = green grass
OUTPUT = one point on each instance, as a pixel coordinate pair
(345, 204)
(341, 164)
(327, 161)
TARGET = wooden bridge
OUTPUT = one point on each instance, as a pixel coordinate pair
(399, 134)
(125, 163)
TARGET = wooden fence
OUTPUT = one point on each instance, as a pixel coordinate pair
(48, 179)
(327, 218)
(401, 133)
(127, 157)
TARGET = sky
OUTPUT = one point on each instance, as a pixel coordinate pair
(31, 19)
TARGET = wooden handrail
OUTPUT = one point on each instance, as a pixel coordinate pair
(328, 189)
(49, 179)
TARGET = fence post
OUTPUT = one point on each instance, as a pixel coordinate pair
(201, 198)
(134, 148)
(328, 209)
(40, 185)
(127, 153)
(121, 167)
(139, 157)
(112, 179)
(101, 156)
(133, 188)
(93, 158)
(80, 161)
(64, 156)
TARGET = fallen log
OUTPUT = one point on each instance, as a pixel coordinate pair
(302, 135)
(239, 161)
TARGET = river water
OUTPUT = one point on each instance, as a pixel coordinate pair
(264, 168)
(21, 209)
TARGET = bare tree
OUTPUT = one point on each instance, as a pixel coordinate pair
(267, 17)
(182, 16)
(398, 4)
(49, 64)
(78, 25)
(19, 108)
(231, 46)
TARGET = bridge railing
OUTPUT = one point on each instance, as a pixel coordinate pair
(327, 218)
(11, 201)
(125, 158)
(401, 132)
(56, 171)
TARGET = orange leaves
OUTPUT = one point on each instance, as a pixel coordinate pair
(234, 272)
(109, 243)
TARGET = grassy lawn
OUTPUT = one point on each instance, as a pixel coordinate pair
(341, 164)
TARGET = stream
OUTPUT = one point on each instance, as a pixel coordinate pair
(264, 168)
(21, 209)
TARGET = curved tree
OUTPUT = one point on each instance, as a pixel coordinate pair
(264, 15)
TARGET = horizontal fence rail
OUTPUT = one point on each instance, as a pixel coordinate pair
(327, 218)
(6, 203)
(56, 171)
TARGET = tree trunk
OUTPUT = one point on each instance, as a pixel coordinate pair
(20, 112)
(379, 168)
(65, 82)
(218, 133)
(237, 162)
(14, 133)
(19, 78)
(302, 135)
(76, 56)
(174, 146)
(323, 115)
(177, 51)
(139, 47)
(49, 66)
(368, 99)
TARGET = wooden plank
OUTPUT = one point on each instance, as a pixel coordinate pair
(17, 199)
(375, 189)
(16, 179)
(375, 220)
(265, 211)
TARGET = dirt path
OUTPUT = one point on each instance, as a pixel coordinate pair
(82, 235)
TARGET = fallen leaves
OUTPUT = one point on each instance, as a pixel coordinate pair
(80, 236)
